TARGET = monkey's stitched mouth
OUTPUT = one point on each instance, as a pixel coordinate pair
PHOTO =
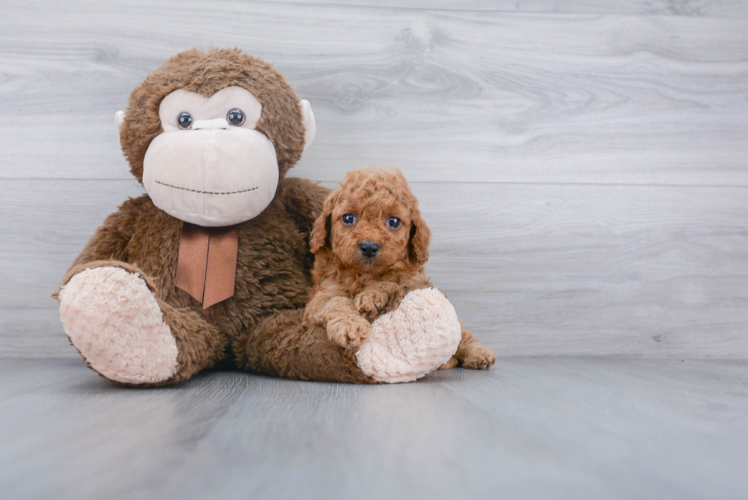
(205, 192)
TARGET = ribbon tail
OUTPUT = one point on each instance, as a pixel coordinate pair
(193, 260)
(220, 276)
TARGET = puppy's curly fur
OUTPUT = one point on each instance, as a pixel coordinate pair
(370, 245)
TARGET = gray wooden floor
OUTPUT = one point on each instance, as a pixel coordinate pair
(573, 428)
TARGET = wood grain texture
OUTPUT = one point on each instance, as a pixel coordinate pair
(532, 269)
(584, 175)
(582, 428)
(447, 95)
(701, 8)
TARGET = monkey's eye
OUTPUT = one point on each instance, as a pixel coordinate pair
(235, 117)
(349, 219)
(184, 121)
(394, 222)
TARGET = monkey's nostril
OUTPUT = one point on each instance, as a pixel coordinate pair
(369, 248)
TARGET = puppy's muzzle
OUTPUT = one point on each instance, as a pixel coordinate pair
(369, 249)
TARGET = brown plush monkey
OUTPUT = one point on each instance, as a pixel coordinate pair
(212, 267)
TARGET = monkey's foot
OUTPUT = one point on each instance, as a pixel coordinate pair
(117, 325)
(417, 338)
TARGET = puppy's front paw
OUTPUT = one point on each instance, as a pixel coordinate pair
(478, 357)
(348, 331)
(370, 302)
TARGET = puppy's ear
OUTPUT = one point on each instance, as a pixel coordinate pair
(420, 237)
(320, 236)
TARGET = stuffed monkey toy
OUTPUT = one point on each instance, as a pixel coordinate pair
(212, 267)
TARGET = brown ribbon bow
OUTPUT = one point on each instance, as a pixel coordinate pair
(207, 262)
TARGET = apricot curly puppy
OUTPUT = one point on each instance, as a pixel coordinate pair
(370, 244)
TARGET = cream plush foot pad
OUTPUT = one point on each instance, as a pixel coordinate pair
(416, 339)
(115, 321)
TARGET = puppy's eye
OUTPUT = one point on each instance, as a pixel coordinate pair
(349, 219)
(235, 117)
(394, 222)
(184, 120)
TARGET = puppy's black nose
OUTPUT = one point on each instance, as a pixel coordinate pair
(369, 248)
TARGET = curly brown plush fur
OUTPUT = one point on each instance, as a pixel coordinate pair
(259, 328)
(353, 287)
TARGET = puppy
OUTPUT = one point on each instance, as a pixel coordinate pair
(370, 245)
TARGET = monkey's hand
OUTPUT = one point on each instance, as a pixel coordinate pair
(348, 330)
(369, 302)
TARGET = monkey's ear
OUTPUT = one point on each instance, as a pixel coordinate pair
(310, 126)
(320, 236)
(119, 118)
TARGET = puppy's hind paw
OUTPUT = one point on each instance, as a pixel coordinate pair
(452, 363)
(478, 357)
(348, 331)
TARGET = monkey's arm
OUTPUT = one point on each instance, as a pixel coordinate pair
(108, 245)
(303, 200)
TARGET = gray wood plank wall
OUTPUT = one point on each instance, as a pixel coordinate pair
(583, 165)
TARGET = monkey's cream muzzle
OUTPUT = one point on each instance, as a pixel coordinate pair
(213, 175)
